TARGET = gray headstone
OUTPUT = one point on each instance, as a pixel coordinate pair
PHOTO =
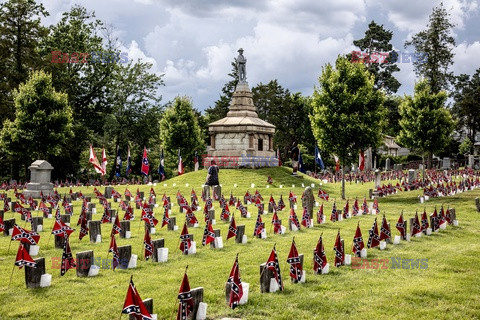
(446, 163)
(217, 191)
(9, 223)
(59, 242)
(40, 174)
(158, 243)
(124, 254)
(197, 295)
(148, 305)
(211, 215)
(433, 223)
(172, 223)
(206, 191)
(387, 164)
(453, 214)
(34, 275)
(477, 204)
(259, 236)
(411, 176)
(309, 200)
(85, 260)
(270, 208)
(378, 178)
(90, 206)
(36, 221)
(125, 225)
(240, 233)
(94, 229)
(217, 234)
(65, 218)
(265, 276)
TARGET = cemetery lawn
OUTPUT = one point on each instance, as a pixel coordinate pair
(449, 288)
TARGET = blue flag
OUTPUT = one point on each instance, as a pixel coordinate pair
(118, 164)
(161, 167)
(301, 167)
(129, 163)
(318, 158)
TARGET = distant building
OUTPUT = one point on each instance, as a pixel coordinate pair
(389, 147)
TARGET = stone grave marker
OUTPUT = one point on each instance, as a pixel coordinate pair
(240, 233)
(309, 200)
(85, 260)
(172, 224)
(95, 230)
(157, 244)
(214, 243)
(37, 224)
(33, 276)
(125, 225)
(217, 191)
(9, 223)
(124, 253)
(197, 295)
(266, 277)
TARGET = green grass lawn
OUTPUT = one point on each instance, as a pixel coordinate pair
(449, 288)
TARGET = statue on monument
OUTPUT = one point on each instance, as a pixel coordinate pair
(241, 66)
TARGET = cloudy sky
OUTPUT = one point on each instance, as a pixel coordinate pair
(193, 42)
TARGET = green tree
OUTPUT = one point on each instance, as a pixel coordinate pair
(426, 123)
(114, 103)
(43, 122)
(465, 147)
(377, 40)
(392, 117)
(436, 44)
(347, 111)
(179, 129)
(21, 32)
(289, 114)
(466, 107)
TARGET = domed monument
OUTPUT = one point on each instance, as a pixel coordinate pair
(241, 139)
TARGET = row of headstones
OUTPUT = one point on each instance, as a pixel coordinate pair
(37, 277)
(268, 282)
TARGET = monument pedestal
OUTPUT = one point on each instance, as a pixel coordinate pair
(40, 174)
(241, 139)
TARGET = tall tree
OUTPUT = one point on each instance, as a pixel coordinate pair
(21, 32)
(288, 113)
(136, 110)
(466, 108)
(347, 111)
(436, 44)
(426, 123)
(377, 40)
(179, 129)
(115, 102)
(392, 117)
(43, 122)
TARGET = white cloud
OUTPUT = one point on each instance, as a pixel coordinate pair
(194, 42)
(466, 58)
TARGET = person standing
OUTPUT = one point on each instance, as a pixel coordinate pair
(212, 175)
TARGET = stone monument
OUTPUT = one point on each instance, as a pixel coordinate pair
(40, 173)
(241, 139)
